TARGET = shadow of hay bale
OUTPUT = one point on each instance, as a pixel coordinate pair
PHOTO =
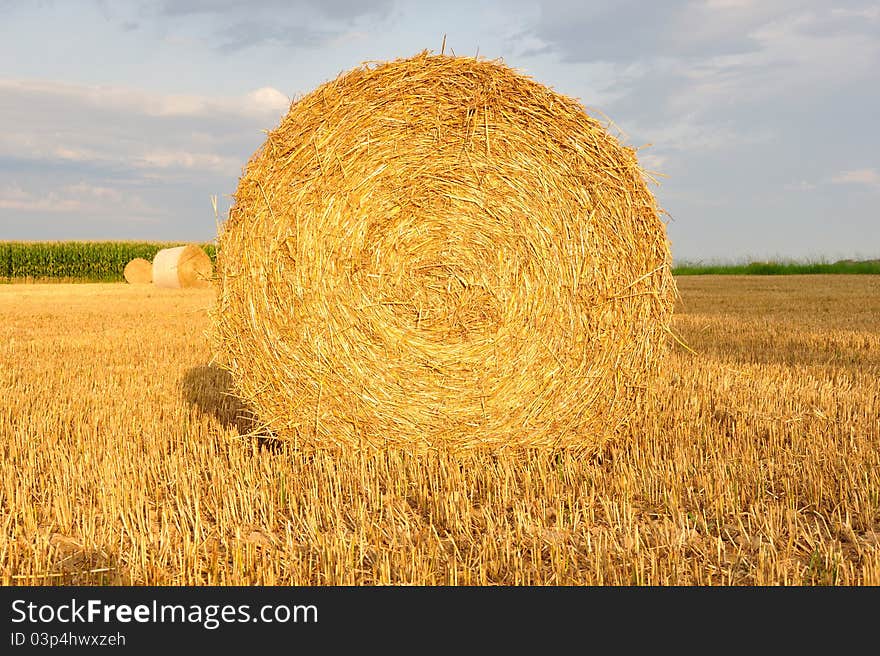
(209, 390)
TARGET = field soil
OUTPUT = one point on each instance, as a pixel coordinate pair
(126, 460)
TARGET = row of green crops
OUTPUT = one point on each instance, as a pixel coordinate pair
(104, 261)
(778, 268)
(81, 261)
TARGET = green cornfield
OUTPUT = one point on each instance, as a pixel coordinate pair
(76, 261)
(104, 261)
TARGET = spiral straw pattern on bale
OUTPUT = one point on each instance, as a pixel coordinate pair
(182, 266)
(138, 272)
(440, 251)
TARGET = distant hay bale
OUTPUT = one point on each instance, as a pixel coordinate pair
(138, 272)
(183, 266)
(442, 252)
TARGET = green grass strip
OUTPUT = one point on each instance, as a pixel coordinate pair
(772, 268)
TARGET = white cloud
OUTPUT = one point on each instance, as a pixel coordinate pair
(868, 13)
(170, 159)
(869, 177)
(352, 36)
(82, 198)
(137, 156)
(729, 4)
(266, 102)
(73, 154)
(690, 133)
(124, 128)
(652, 162)
(707, 57)
(794, 56)
(800, 185)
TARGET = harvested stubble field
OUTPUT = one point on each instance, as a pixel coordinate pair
(758, 461)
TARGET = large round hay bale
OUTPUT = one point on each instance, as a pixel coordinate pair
(440, 251)
(182, 266)
(138, 272)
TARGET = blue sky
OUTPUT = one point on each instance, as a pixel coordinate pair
(120, 120)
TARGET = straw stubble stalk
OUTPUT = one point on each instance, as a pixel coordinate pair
(441, 252)
(138, 272)
(182, 266)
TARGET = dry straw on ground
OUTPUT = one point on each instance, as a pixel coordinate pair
(183, 266)
(440, 251)
(138, 272)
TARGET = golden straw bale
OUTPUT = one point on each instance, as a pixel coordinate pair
(441, 252)
(182, 266)
(138, 272)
